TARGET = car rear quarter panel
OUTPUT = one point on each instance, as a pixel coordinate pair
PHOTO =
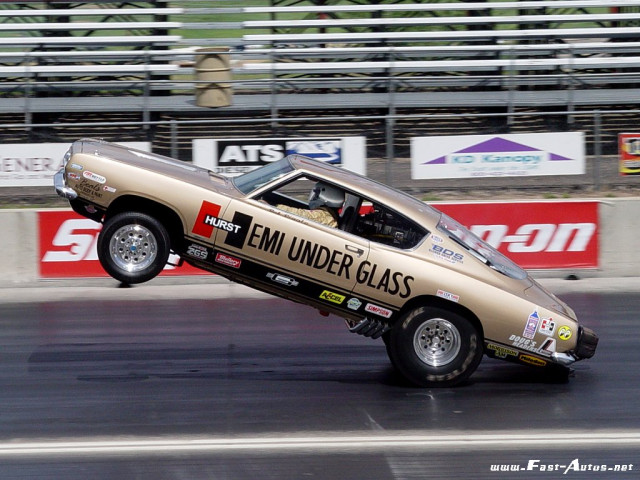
(109, 180)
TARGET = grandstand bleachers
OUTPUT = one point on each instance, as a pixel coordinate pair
(550, 53)
(57, 49)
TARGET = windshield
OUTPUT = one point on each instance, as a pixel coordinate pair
(255, 179)
(479, 248)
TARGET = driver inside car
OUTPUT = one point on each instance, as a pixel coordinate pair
(324, 203)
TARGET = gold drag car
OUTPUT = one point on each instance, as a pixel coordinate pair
(390, 265)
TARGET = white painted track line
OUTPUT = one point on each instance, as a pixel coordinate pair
(325, 442)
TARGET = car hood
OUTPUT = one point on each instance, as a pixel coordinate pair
(544, 298)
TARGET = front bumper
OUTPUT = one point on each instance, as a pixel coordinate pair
(587, 343)
(61, 188)
(585, 348)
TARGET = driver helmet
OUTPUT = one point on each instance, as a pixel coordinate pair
(325, 195)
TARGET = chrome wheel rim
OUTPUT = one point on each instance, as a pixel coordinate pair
(133, 248)
(437, 342)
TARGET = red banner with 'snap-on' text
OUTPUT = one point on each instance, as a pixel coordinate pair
(536, 235)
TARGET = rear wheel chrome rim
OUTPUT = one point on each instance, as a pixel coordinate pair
(133, 248)
(437, 342)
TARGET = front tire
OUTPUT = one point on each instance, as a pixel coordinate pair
(133, 247)
(433, 347)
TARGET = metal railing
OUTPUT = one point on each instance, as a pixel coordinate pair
(393, 165)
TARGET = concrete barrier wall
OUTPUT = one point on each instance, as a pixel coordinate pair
(19, 240)
(619, 227)
(619, 237)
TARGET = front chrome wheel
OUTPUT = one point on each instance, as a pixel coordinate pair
(133, 248)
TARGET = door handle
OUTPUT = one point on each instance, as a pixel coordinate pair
(353, 249)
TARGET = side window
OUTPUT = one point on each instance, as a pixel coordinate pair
(379, 224)
(309, 198)
(330, 205)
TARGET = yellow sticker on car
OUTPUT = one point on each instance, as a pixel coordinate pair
(332, 297)
(564, 333)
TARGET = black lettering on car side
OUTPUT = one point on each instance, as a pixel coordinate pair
(236, 238)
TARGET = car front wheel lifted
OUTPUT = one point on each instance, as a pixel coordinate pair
(433, 347)
(133, 247)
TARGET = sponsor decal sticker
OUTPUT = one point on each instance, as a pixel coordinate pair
(446, 254)
(532, 325)
(208, 220)
(332, 297)
(207, 210)
(502, 352)
(524, 343)
(73, 176)
(228, 260)
(197, 251)
(75, 166)
(94, 177)
(378, 310)
(548, 346)
(354, 304)
(448, 296)
(564, 333)
(547, 326)
(88, 188)
(282, 279)
(535, 361)
(109, 189)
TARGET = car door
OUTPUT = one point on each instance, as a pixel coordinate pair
(384, 281)
(296, 256)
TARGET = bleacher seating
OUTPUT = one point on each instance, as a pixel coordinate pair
(448, 47)
(39, 41)
(575, 51)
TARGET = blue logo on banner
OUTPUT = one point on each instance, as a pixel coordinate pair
(329, 151)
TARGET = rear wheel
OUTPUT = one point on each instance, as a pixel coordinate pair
(133, 247)
(433, 347)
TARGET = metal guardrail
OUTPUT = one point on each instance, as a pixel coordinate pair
(393, 168)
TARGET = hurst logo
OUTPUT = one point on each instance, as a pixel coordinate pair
(208, 220)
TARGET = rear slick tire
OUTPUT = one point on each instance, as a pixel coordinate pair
(434, 347)
(133, 247)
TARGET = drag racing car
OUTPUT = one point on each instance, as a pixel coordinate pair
(392, 266)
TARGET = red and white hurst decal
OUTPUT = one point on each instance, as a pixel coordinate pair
(68, 247)
(208, 220)
(535, 234)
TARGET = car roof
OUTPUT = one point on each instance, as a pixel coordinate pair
(388, 196)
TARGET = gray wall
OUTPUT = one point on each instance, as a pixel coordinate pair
(19, 240)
